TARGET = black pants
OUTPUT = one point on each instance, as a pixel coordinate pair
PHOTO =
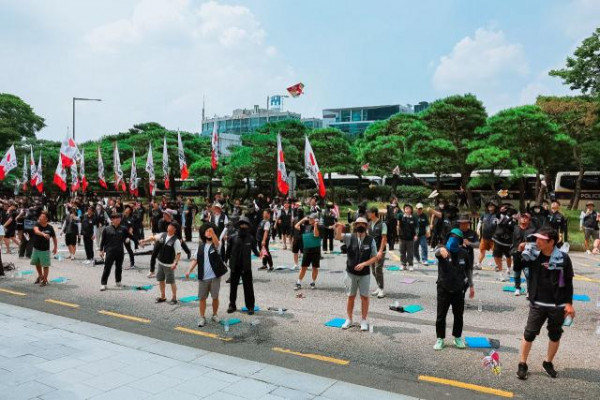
(153, 258)
(88, 243)
(267, 259)
(23, 244)
(109, 259)
(188, 233)
(391, 233)
(445, 299)
(327, 235)
(248, 287)
(130, 252)
(187, 250)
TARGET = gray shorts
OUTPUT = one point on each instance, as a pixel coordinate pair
(210, 285)
(165, 273)
(356, 283)
(590, 234)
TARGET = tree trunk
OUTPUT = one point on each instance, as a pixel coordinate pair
(359, 188)
(438, 181)
(465, 181)
(577, 193)
(521, 194)
(247, 193)
(331, 186)
(540, 189)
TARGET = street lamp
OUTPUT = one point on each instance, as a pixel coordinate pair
(79, 99)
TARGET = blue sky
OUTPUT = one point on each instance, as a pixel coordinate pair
(156, 59)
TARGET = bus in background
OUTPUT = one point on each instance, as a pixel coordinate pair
(564, 187)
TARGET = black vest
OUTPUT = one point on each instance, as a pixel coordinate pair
(285, 217)
(221, 225)
(376, 233)
(217, 264)
(261, 231)
(166, 249)
(358, 255)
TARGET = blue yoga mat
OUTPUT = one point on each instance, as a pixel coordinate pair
(478, 342)
(335, 323)
(60, 279)
(26, 272)
(189, 299)
(581, 297)
(256, 309)
(512, 279)
(431, 262)
(192, 276)
(142, 287)
(393, 268)
(232, 321)
(511, 289)
(413, 308)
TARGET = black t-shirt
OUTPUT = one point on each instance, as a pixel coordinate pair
(40, 242)
(545, 290)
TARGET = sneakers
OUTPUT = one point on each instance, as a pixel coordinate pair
(87, 262)
(381, 294)
(313, 285)
(173, 302)
(298, 286)
(477, 267)
(517, 291)
(364, 325)
(549, 368)
(201, 322)
(262, 268)
(501, 277)
(522, 371)
(439, 344)
(586, 252)
(295, 267)
(347, 324)
(118, 284)
(160, 300)
(102, 288)
(215, 318)
(231, 309)
(375, 292)
(411, 268)
(460, 343)
(424, 263)
(151, 275)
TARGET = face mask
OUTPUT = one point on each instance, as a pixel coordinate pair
(360, 229)
(453, 244)
(243, 232)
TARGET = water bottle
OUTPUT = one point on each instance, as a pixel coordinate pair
(280, 311)
(371, 328)
(568, 321)
(598, 328)
(598, 301)
(479, 306)
(255, 322)
(226, 326)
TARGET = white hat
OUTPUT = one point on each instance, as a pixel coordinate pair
(419, 205)
(217, 204)
(361, 220)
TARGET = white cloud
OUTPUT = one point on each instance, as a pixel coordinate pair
(479, 61)
(578, 18)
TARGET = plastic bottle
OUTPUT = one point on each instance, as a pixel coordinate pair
(255, 322)
(598, 328)
(598, 301)
(371, 327)
(280, 311)
(226, 326)
(479, 306)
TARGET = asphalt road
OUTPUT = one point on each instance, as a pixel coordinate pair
(393, 357)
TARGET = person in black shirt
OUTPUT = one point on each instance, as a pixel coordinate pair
(328, 220)
(263, 237)
(391, 222)
(550, 296)
(521, 234)
(88, 222)
(9, 221)
(111, 245)
(241, 245)
(155, 216)
(69, 229)
(189, 213)
(284, 224)
(42, 232)
(128, 223)
(559, 223)
(408, 234)
(589, 225)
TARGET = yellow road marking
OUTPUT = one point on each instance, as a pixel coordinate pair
(62, 303)
(13, 292)
(586, 279)
(463, 385)
(204, 334)
(312, 356)
(124, 316)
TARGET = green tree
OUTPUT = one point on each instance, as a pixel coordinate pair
(18, 121)
(454, 121)
(578, 118)
(583, 70)
(332, 150)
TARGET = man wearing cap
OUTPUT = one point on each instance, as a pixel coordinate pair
(168, 254)
(408, 235)
(422, 235)
(241, 245)
(328, 220)
(221, 221)
(362, 252)
(588, 223)
(163, 224)
(470, 239)
(111, 249)
(558, 222)
(445, 217)
(378, 231)
(539, 215)
(311, 248)
(486, 228)
(503, 239)
(455, 275)
(521, 234)
(550, 287)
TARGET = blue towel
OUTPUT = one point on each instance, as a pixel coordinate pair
(232, 321)
(393, 268)
(511, 289)
(189, 299)
(413, 308)
(60, 279)
(512, 279)
(581, 297)
(245, 309)
(431, 262)
(27, 272)
(478, 342)
(335, 323)
(143, 287)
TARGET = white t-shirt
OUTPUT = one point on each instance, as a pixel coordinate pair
(208, 271)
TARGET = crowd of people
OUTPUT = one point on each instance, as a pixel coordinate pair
(533, 242)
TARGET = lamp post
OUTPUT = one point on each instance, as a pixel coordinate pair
(79, 99)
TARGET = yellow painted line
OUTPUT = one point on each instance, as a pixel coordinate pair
(124, 316)
(469, 386)
(62, 303)
(203, 334)
(312, 356)
(586, 279)
(13, 292)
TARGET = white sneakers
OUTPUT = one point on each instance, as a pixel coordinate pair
(347, 324)
(215, 318)
(201, 322)
(501, 277)
(411, 268)
(517, 291)
(102, 288)
(379, 293)
(364, 325)
(375, 292)
(588, 252)
(151, 275)
(87, 262)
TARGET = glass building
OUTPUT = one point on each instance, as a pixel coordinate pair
(355, 120)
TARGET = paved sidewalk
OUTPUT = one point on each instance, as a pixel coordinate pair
(45, 356)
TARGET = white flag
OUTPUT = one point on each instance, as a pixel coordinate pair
(165, 164)
(133, 187)
(8, 163)
(118, 171)
(150, 170)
